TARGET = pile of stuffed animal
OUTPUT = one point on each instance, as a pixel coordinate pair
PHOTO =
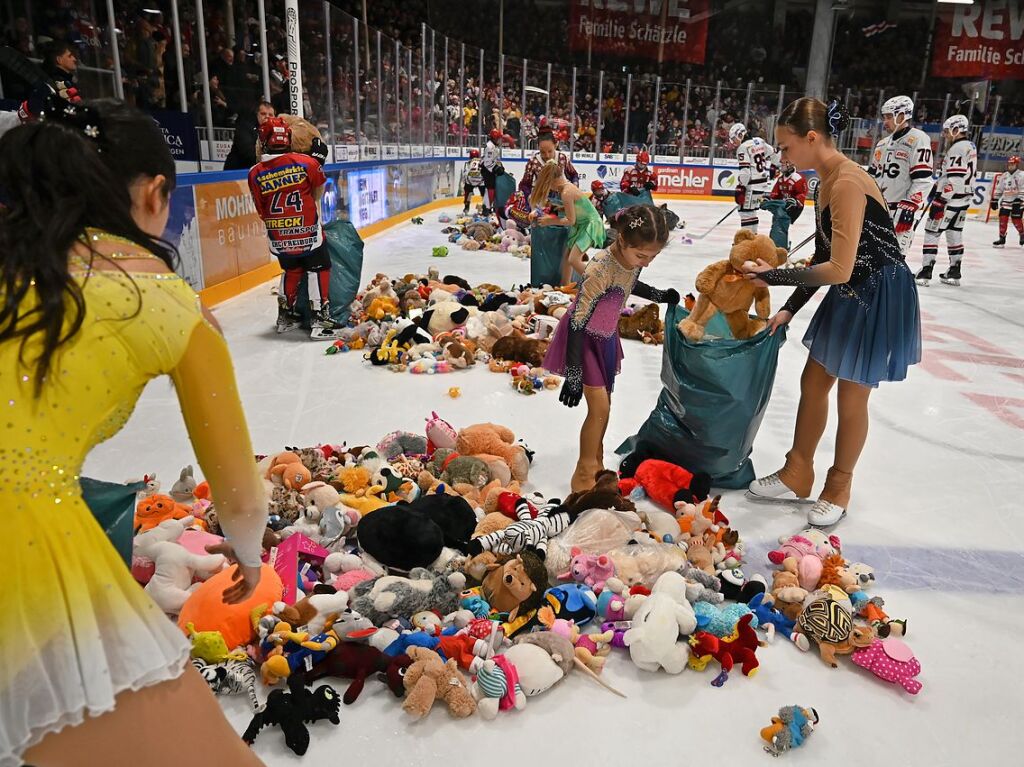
(423, 562)
(424, 324)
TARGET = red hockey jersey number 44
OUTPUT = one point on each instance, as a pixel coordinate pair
(284, 191)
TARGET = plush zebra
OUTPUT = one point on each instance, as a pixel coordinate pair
(231, 677)
(525, 533)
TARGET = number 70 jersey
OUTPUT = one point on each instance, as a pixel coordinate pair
(902, 166)
(283, 189)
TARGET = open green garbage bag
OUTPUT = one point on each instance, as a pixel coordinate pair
(619, 200)
(780, 222)
(713, 397)
(346, 249)
(504, 188)
(547, 246)
(113, 505)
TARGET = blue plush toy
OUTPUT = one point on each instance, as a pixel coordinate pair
(572, 602)
(769, 616)
(720, 622)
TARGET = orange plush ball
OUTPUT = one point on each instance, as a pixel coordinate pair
(206, 610)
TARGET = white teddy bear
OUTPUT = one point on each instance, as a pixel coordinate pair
(176, 566)
(658, 622)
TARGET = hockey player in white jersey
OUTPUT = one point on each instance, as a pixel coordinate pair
(948, 210)
(491, 167)
(902, 167)
(1008, 196)
(754, 157)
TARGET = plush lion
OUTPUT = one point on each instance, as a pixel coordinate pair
(723, 288)
(303, 133)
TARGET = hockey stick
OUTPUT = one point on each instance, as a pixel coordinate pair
(807, 240)
(709, 231)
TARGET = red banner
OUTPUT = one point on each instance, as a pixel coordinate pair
(662, 30)
(984, 40)
(673, 179)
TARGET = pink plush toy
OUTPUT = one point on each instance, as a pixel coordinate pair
(589, 569)
(890, 659)
(440, 434)
(808, 558)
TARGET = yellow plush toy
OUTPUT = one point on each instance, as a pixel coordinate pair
(723, 288)
(382, 307)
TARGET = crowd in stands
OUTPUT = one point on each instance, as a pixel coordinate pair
(746, 63)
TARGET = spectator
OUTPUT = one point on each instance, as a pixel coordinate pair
(243, 147)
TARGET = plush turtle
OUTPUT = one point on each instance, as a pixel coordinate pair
(830, 624)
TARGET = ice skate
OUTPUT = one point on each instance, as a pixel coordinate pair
(323, 326)
(951, 276)
(1022, 239)
(286, 320)
(925, 275)
(1000, 242)
(771, 489)
(824, 514)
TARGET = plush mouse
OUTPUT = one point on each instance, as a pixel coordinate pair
(722, 288)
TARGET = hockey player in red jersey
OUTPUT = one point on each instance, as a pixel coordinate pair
(792, 188)
(286, 187)
(639, 177)
(599, 195)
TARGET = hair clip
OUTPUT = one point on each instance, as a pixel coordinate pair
(77, 116)
(836, 113)
(636, 223)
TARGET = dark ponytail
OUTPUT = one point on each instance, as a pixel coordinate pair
(54, 183)
(640, 225)
(809, 114)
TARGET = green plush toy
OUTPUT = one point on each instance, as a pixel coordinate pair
(454, 469)
(440, 251)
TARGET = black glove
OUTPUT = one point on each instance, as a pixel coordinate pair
(499, 170)
(318, 150)
(645, 291)
(572, 388)
(670, 296)
(792, 205)
(994, 204)
(650, 186)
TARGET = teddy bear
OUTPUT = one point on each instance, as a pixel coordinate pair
(653, 640)
(518, 348)
(645, 319)
(176, 567)
(787, 596)
(288, 470)
(303, 133)
(428, 679)
(723, 288)
(494, 439)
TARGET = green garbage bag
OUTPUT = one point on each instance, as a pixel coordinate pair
(713, 397)
(113, 505)
(547, 246)
(618, 200)
(346, 249)
(504, 188)
(780, 222)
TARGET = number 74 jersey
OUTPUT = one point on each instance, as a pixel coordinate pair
(902, 166)
(955, 184)
(283, 188)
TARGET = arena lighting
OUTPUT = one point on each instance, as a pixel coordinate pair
(957, 2)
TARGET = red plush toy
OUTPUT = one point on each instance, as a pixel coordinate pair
(740, 647)
(355, 661)
(667, 484)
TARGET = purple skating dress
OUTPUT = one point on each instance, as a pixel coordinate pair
(588, 333)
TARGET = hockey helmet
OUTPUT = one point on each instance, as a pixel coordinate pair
(473, 153)
(597, 185)
(275, 135)
(956, 124)
(495, 134)
(737, 132)
(643, 158)
(1013, 160)
(899, 105)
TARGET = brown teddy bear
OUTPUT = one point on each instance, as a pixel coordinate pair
(723, 288)
(303, 133)
(646, 319)
(428, 679)
(494, 439)
(518, 348)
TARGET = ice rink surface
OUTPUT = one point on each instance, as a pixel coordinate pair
(936, 509)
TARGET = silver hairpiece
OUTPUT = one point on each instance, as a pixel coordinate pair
(636, 223)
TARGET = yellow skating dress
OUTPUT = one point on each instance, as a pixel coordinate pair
(75, 628)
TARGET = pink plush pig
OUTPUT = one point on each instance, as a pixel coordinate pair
(890, 659)
(589, 569)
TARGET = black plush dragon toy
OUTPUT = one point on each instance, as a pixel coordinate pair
(293, 710)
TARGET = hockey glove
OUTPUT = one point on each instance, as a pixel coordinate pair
(318, 150)
(499, 170)
(650, 186)
(792, 207)
(937, 209)
(994, 204)
(905, 210)
(741, 195)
